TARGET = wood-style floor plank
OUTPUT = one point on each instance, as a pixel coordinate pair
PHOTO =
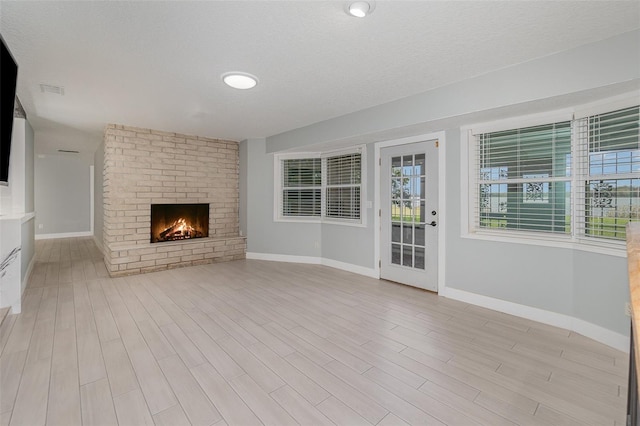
(303, 412)
(256, 342)
(132, 409)
(294, 378)
(97, 404)
(220, 392)
(267, 409)
(194, 402)
(122, 378)
(340, 414)
(171, 417)
(359, 402)
(64, 398)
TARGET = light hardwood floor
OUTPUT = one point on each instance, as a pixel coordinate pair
(253, 342)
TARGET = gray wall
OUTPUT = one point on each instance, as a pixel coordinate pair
(62, 194)
(27, 233)
(350, 244)
(584, 285)
(601, 290)
(98, 182)
(263, 234)
(243, 154)
(29, 198)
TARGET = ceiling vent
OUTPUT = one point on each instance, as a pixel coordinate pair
(49, 88)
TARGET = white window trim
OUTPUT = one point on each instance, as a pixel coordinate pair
(277, 185)
(468, 170)
(277, 188)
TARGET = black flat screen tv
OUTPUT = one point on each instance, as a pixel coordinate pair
(8, 80)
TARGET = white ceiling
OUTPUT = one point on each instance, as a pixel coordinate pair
(158, 64)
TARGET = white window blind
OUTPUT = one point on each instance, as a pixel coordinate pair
(343, 186)
(523, 179)
(610, 164)
(301, 187)
(320, 187)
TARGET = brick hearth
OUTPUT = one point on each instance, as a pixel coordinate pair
(144, 167)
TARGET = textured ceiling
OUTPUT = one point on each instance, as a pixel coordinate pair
(158, 64)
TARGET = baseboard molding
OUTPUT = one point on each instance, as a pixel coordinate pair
(284, 258)
(64, 235)
(360, 270)
(592, 331)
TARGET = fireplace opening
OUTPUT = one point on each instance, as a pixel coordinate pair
(173, 222)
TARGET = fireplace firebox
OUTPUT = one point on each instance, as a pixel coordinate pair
(173, 222)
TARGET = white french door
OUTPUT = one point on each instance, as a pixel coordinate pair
(409, 214)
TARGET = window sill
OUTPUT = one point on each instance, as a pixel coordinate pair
(611, 248)
(320, 221)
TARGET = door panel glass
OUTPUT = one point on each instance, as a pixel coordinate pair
(395, 232)
(395, 254)
(407, 233)
(407, 255)
(419, 261)
(420, 164)
(396, 166)
(407, 165)
(419, 235)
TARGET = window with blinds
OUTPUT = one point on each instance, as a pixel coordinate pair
(344, 178)
(524, 179)
(301, 187)
(611, 164)
(578, 178)
(320, 187)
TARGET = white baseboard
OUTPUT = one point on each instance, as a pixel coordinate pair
(592, 331)
(284, 258)
(64, 235)
(361, 270)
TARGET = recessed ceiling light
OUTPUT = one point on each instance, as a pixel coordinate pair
(240, 80)
(360, 9)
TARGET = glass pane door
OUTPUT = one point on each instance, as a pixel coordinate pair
(408, 214)
(408, 210)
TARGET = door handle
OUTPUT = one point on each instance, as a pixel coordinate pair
(433, 223)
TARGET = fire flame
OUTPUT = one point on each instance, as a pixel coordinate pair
(178, 230)
(182, 226)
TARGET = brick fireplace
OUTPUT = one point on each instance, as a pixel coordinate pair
(144, 167)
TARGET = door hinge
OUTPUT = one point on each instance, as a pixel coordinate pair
(379, 212)
(437, 143)
(379, 263)
(380, 161)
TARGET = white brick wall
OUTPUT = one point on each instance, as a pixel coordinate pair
(144, 167)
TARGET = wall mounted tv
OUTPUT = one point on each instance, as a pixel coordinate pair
(8, 80)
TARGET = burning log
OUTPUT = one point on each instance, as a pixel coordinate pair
(180, 230)
(176, 228)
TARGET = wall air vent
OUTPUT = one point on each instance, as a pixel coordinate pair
(49, 88)
(68, 151)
